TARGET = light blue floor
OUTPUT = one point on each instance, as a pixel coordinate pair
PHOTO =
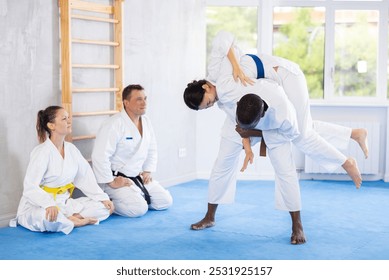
(340, 222)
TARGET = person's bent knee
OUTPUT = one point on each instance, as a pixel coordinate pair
(162, 204)
(103, 214)
(132, 211)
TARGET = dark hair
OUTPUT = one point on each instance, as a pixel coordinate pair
(194, 94)
(44, 117)
(249, 111)
(128, 90)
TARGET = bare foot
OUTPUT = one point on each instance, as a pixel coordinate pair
(360, 136)
(204, 223)
(77, 215)
(298, 237)
(351, 167)
(83, 221)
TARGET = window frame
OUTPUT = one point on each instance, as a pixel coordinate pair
(265, 45)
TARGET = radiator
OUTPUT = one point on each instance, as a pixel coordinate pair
(366, 166)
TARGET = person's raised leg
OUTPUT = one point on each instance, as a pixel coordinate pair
(298, 236)
(359, 135)
(208, 220)
(351, 167)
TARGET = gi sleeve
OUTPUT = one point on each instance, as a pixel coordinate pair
(39, 161)
(286, 116)
(280, 122)
(150, 163)
(286, 129)
(104, 148)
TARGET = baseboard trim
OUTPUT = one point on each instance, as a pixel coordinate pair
(339, 177)
(178, 180)
(240, 176)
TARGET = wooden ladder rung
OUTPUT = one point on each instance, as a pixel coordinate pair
(83, 137)
(90, 7)
(76, 90)
(109, 66)
(109, 14)
(95, 42)
(100, 113)
(109, 20)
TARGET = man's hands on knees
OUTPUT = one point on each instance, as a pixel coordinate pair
(146, 176)
(120, 182)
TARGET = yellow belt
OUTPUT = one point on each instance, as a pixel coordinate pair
(60, 190)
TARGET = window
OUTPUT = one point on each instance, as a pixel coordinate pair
(336, 43)
(240, 21)
(298, 35)
(356, 46)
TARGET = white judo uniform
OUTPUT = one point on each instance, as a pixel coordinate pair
(223, 177)
(279, 128)
(119, 147)
(317, 139)
(48, 168)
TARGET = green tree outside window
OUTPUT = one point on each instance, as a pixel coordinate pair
(302, 41)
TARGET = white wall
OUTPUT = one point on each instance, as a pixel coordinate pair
(164, 47)
(28, 82)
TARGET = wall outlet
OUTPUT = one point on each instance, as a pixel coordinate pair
(181, 152)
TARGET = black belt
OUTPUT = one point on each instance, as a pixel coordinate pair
(139, 182)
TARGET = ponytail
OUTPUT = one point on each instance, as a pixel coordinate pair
(43, 118)
(194, 94)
